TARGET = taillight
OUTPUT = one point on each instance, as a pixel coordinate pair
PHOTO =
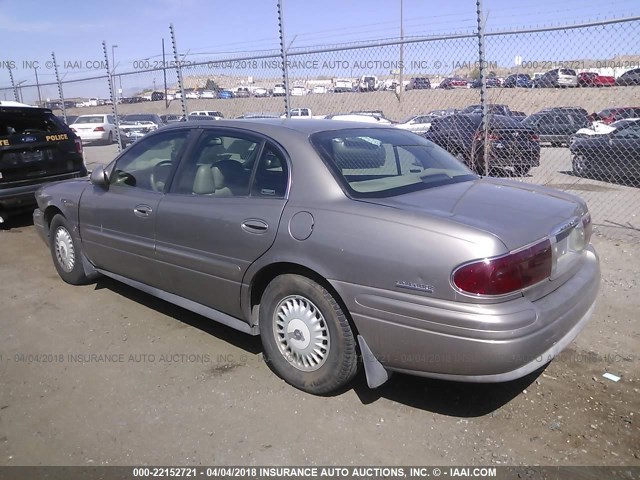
(608, 120)
(506, 274)
(490, 137)
(78, 145)
(98, 129)
(534, 137)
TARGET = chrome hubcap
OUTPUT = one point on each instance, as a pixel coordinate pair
(65, 253)
(301, 333)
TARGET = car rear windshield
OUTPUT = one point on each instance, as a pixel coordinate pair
(17, 121)
(375, 163)
(92, 119)
(567, 71)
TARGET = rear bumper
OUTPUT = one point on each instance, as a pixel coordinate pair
(472, 342)
(23, 194)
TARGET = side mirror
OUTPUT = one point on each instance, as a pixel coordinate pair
(99, 176)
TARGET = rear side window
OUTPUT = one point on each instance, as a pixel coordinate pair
(567, 71)
(24, 121)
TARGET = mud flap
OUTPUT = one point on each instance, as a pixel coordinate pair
(376, 374)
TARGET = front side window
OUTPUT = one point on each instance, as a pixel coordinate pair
(148, 164)
(384, 162)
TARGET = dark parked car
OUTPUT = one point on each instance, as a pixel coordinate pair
(630, 77)
(419, 83)
(35, 148)
(491, 82)
(167, 119)
(518, 80)
(560, 77)
(615, 155)
(156, 96)
(557, 125)
(493, 108)
(242, 92)
(511, 146)
(282, 229)
(70, 118)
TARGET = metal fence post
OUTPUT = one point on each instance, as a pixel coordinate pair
(114, 98)
(60, 93)
(13, 86)
(483, 88)
(285, 66)
(183, 98)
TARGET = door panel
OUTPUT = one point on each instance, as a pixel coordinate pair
(204, 250)
(117, 221)
(221, 214)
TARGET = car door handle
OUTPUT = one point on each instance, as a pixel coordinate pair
(255, 226)
(142, 210)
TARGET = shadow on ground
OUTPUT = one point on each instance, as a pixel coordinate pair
(438, 396)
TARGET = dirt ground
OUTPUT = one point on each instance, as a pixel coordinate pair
(165, 386)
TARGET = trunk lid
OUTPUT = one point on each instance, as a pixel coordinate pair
(517, 213)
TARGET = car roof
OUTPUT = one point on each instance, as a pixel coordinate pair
(269, 126)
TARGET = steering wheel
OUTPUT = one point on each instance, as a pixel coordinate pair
(159, 175)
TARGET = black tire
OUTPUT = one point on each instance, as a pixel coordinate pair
(110, 138)
(580, 167)
(340, 362)
(64, 245)
(521, 170)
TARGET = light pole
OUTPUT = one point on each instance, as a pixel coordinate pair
(113, 69)
(35, 69)
(401, 55)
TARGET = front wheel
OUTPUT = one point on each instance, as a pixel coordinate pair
(579, 166)
(65, 251)
(306, 336)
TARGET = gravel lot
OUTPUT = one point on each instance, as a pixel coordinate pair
(177, 388)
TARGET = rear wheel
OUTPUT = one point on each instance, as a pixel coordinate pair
(306, 337)
(110, 138)
(66, 252)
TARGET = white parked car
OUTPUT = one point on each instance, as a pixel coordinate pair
(319, 89)
(260, 92)
(95, 128)
(278, 90)
(207, 113)
(208, 94)
(192, 95)
(298, 91)
(355, 117)
(416, 123)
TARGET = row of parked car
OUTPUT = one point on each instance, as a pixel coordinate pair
(603, 145)
(559, 77)
(513, 140)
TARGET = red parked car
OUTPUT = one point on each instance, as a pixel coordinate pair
(592, 79)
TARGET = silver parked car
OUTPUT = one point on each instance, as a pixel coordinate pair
(337, 243)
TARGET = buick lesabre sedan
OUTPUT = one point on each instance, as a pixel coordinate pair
(337, 243)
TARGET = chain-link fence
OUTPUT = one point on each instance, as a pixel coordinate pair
(561, 105)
